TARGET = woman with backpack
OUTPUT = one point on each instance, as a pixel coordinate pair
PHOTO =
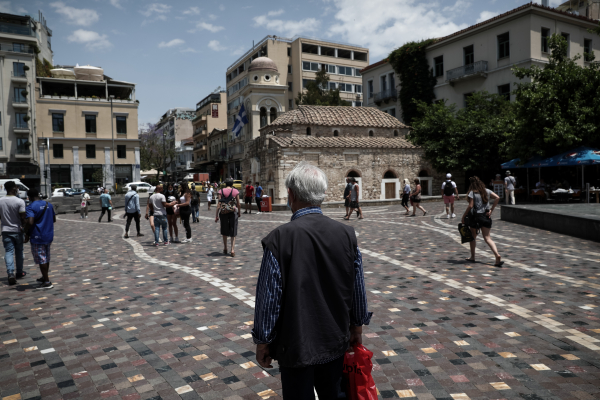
(228, 210)
(480, 216)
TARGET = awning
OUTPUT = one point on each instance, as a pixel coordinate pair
(579, 156)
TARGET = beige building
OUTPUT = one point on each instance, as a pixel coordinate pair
(23, 40)
(481, 57)
(359, 142)
(585, 8)
(79, 117)
(176, 124)
(210, 114)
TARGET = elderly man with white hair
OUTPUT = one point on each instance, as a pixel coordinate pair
(310, 296)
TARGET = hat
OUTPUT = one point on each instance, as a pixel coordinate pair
(448, 176)
(507, 172)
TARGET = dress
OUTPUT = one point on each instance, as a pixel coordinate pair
(229, 221)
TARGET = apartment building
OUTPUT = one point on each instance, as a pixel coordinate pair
(586, 8)
(86, 124)
(217, 154)
(481, 57)
(23, 40)
(210, 114)
(177, 124)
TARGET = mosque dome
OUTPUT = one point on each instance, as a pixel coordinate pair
(262, 64)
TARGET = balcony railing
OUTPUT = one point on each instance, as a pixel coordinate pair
(21, 125)
(16, 48)
(14, 74)
(23, 151)
(389, 94)
(480, 67)
(16, 29)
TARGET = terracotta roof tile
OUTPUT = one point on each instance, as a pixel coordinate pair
(338, 116)
(346, 142)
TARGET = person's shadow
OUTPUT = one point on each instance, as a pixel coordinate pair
(217, 254)
(19, 287)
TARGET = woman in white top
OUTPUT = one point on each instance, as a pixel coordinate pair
(406, 196)
(209, 196)
(85, 198)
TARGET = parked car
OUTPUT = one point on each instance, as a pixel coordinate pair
(74, 192)
(140, 185)
(22, 188)
(62, 192)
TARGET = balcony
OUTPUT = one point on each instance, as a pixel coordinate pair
(18, 26)
(21, 127)
(386, 95)
(18, 77)
(21, 105)
(23, 152)
(470, 71)
(16, 48)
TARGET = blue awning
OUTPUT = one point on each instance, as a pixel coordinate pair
(579, 156)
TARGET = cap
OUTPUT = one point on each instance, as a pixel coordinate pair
(507, 172)
(448, 176)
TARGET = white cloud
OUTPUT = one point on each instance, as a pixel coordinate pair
(209, 27)
(155, 11)
(212, 17)
(7, 7)
(172, 43)
(188, 50)
(361, 22)
(76, 16)
(215, 45)
(458, 7)
(288, 28)
(192, 11)
(92, 40)
(116, 3)
(222, 7)
(275, 13)
(485, 15)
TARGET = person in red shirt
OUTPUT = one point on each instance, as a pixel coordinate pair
(249, 195)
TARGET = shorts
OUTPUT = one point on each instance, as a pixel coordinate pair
(248, 200)
(448, 199)
(41, 253)
(354, 204)
(347, 203)
(479, 221)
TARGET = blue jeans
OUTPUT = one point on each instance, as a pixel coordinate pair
(13, 243)
(160, 221)
(195, 212)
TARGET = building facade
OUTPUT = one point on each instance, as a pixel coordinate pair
(217, 155)
(359, 142)
(210, 114)
(23, 41)
(176, 123)
(585, 8)
(480, 57)
(84, 128)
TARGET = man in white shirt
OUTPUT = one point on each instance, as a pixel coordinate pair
(12, 216)
(449, 190)
(158, 204)
(510, 184)
(85, 198)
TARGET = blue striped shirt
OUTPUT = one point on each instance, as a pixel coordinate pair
(269, 291)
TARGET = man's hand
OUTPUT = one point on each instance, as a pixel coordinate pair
(355, 336)
(262, 355)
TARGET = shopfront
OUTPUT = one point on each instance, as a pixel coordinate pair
(60, 176)
(92, 176)
(124, 175)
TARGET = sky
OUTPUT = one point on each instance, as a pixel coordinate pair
(177, 51)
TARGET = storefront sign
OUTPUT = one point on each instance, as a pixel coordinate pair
(215, 111)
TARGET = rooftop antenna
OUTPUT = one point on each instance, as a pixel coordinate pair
(217, 89)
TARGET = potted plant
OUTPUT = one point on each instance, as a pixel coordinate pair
(25, 68)
(55, 95)
(24, 93)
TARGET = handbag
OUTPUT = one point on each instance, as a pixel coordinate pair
(466, 235)
(357, 374)
(228, 204)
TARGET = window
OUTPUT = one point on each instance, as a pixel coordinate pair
(20, 120)
(307, 131)
(383, 83)
(370, 133)
(18, 69)
(90, 151)
(310, 66)
(90, 124)
(392, 81)
(263, 117)
(588, 52)
(357, 72)
(121, 151)
(332, 85)
(305, 82)
(1, 147)
(395, 133)
(370, 89)
(19, 48)
(122, 124)
(289, 51)
(357, 88)
(291, 104)
(19, 98)
(466, 97)
(503, 45)
(58, 123)
(438, 69)
(290, 86)
(273, 114)
(23, 146)
(545, 37)
(469, 55)
(360, 56)
(331, 69)
(336, 133)
(57, 150)
(310, 48)
(327, 51)
(345, 70)
(289, 69)
(504, 91)
(567, 37)
(392, 112)
(358, 104)
(345, 87)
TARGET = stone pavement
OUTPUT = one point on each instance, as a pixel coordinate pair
(127, 320)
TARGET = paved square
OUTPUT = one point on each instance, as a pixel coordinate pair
(127, 320)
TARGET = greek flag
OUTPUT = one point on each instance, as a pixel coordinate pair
(240, 121)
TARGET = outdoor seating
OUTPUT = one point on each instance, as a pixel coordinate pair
(538, 194)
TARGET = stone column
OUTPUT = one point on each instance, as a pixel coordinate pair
(45, 184)
(136, 167)
(107, 168)
(77, 172)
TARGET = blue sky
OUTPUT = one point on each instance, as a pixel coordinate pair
(177, 51)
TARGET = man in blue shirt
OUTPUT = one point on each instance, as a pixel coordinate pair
(132, 209)
(106, 204)
(258, 194)
(39, 230)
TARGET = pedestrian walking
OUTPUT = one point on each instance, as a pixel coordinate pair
(171, 196)
(185, 210)
(406, 196)
(85, 202)
(347, 196)
(132, 210)
(39, 231)
(353, 196)
(449, 191)
(12, 217)
(150, 217)
(415, 198)
(159, 206)
(311, 301)
(209, 196)
(195, 204)
(258, 192)
(228, 211)
(248, 196)
(510, 184)
(106, 204)
(479, 213)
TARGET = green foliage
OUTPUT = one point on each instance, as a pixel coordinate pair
(317, 94)
(557, 107)
(99, 176)
(410, 63)
(472, 138)
(156, 151)
(42, 68)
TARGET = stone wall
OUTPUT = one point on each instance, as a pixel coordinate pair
(343, 131)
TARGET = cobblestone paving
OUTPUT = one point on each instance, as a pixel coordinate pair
(130, 321)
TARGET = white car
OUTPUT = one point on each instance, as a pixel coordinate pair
(60, 192)
(141, 185)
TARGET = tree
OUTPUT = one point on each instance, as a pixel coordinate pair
(558, 108)
(470, 139)
(318, 94)
(156, 151)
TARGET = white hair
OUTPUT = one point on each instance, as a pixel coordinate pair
(308, 183)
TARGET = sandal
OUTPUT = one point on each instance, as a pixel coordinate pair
(347, 218)
(499, 265)
(233, 254)
(224, 251)
(425, 213)
(470, 260)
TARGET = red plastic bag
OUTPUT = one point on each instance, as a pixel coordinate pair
(357, 370)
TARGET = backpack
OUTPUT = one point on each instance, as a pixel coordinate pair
(228, 204)
(448, 188)
(195, 199)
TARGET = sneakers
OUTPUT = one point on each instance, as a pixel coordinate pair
(21, 275)
(86, 217)
(453, 215)
(45, 285)
(12, 279)
(156, 244)
(176, 240)
(40, 280)
(448, 216)
(167, 243)
(159, 240)
(186, 240)
(258, 213)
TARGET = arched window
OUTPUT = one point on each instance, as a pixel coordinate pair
(273, 114)
(353, 174)
(307, 131)
(395, 133)
(335, 133)
(263, 117)
(370, 133)
(423, 173)
(390, 175)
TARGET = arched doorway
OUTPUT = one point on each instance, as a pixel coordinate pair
(356, 175)
(263, 117)
(353, 174)
(389, 174)
(273, 115)
(390, 186)
(426, 182)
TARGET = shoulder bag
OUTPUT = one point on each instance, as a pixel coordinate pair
(228, 204)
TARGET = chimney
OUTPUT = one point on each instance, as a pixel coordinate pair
(545, 3)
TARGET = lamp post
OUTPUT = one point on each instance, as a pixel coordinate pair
(112, 128)
(164, 155)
